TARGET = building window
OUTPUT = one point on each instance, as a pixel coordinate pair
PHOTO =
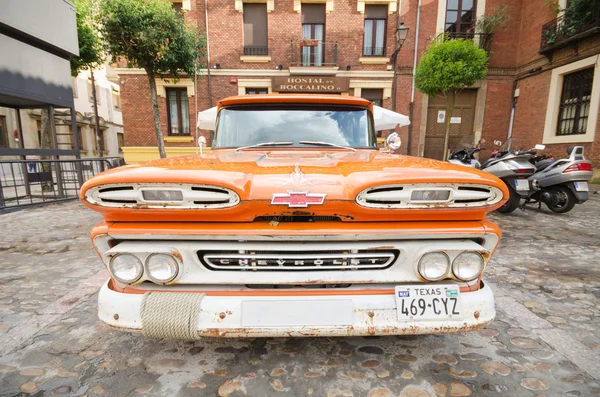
(374, 95)
(116, 97)
(101, 137)
(313, 27)
(178, 116)
(255, 29)
(256, 91)
(575, 102)
(375, 30)
(178, 7)
(120, 141)
(3, 132)
(460, 16)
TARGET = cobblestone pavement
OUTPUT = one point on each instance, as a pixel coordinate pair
(545, 340)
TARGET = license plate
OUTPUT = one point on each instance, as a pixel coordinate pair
(419, 302)
(522, 184)
(581, 186)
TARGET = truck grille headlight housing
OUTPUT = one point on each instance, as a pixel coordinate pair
(434, 266)
(162, 195)
(468, 265)
(161, 268)
(426, 195)
(126, 268)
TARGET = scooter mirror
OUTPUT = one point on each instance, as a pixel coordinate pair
(201, 142)
(540, 147)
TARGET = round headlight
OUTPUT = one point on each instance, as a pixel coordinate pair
(126, 268)
(468, 265)
(434, 266)
(162, 268)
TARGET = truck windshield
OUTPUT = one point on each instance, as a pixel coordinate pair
(248, 126)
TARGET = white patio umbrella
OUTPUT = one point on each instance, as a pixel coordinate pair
(384, 119)
(387, 120)
(207, 119)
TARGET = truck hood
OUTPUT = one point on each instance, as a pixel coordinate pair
(257, 176)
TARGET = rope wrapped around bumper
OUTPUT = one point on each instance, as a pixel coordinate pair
(171, 315)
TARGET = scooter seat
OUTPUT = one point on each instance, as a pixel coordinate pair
(543, 164)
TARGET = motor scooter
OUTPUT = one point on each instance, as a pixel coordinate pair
(560, 184)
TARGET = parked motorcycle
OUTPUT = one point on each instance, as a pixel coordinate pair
(464, 155)
(560, 184)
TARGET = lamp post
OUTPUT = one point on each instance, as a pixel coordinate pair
(401, 33)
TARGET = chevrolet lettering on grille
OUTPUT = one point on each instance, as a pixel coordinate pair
(287, 261)
(296, 199)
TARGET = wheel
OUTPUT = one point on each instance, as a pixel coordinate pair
(512, 203)
(565, 200)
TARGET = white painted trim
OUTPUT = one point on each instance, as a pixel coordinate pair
(187, 83)
(552, 109)
(313, 70)
(328, 4)
(392, 5)
(268, 72)
(374, 60)
(253, 83)
(358, 85)
(441, 16)
(239, 4)
(255, 58)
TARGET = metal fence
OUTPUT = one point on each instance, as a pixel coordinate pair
(33, 182)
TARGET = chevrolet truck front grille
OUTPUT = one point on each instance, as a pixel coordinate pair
(297, 261)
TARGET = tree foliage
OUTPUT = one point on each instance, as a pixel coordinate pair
(150, 35)
(450, 65)
(90, 43)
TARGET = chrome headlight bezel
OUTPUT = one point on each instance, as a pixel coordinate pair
(152, 277)
(443, 274)
(138, 264)
(476, 274)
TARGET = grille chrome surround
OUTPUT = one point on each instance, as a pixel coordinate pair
(399, 196)
(131, 195)
(299, 261)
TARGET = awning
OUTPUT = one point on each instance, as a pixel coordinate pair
(384, 119)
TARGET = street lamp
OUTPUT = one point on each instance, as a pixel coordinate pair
(401, 33)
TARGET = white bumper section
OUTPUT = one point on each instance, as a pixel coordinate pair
(236, 316)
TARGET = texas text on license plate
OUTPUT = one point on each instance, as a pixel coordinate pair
(421, 302)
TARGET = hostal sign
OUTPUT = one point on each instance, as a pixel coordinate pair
(330, 85)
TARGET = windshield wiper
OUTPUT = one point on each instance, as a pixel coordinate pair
(320, 143)
(265, 144)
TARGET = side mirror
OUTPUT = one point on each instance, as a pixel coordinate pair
(481, 141)
(201, 142)
(393, 141)
(498, 143)
(540, 147)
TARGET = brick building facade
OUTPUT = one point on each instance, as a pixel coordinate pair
(549, 82)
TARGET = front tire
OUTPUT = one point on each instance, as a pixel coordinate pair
(512, 203)
(565, 200)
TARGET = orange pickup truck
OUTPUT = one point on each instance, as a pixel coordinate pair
(295, 224)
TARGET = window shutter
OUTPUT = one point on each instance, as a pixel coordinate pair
(255, 25)
(376, 11)
(313, 13)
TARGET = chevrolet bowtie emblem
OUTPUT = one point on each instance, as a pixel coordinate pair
(298, 199)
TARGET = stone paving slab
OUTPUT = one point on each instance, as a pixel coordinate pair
(544, 342)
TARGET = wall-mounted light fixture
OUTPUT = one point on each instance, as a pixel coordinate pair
(217, 66)
(348, 67)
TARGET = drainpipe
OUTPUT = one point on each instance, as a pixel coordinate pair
(207, 55)
(411, 105)
(511, 122)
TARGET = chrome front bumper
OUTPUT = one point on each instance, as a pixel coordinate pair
(222, 316)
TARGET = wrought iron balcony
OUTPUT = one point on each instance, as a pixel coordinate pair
(483, 40)
(569, 29)
(256, 50)
(308, 52)
(374, 52)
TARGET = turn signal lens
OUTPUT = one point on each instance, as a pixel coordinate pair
(468, 265)
(434, 266)
(126, 268)
(162, 268)
(430, 195)
(162, 195)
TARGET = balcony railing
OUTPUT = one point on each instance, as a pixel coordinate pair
(483, 40)
(570, 28)
(374, 52)
(313, 53)
(256, 50)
